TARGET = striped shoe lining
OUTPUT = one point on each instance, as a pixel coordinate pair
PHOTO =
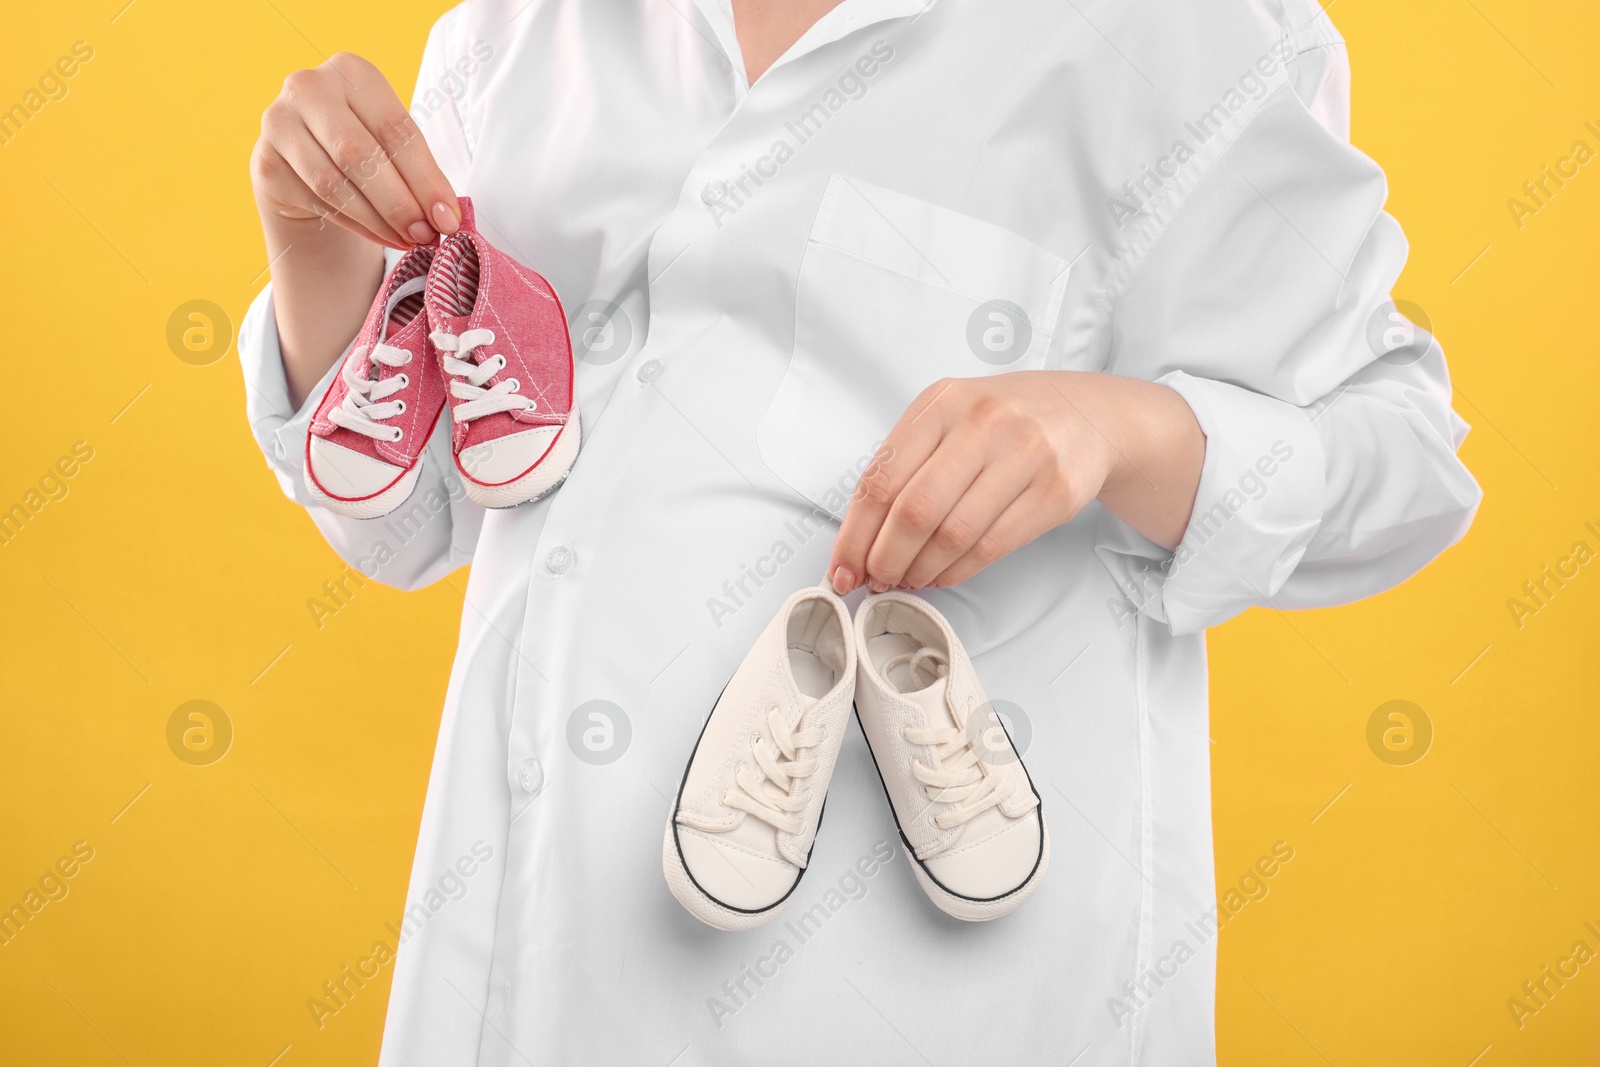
(453, 281)
(406, 309)
(410, 306)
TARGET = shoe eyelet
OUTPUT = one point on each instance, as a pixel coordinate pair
(398, 434)
(402, 409)
(515, 386)
(405, 381)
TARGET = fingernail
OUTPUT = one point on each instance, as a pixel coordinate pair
(420, 232)
(877, 586)
(843, 580)
(444, 218)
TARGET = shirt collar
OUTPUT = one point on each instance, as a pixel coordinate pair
(847, 18)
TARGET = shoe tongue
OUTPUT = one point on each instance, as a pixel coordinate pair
(405, 303)
(756, 835)
(933, 703)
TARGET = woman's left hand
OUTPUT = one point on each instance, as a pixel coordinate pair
(978, 467)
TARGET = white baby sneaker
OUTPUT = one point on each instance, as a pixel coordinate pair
(968, 813)
(741, 828)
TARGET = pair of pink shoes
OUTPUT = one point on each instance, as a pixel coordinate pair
(462, 324)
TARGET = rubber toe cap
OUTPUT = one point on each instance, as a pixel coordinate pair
(510, 457)
(348, 475)
(731, 876)
(995, 867)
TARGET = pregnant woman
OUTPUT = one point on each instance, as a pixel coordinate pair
(1071, 319)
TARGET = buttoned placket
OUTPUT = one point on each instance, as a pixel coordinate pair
(557, 572)
(557, 568)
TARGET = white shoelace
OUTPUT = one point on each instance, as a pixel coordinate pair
(765, 789)
(366, 402)
(962, 780)
(467, 377)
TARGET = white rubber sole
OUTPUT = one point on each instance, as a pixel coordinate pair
(545, 477)
(978, 911)
(699, 905)
(371, 507)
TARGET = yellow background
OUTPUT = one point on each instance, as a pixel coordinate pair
(224, 895)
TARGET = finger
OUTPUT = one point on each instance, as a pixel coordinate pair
(346, 223)
(1021, 522)
(921, 507)
(366, 166)
(293, 197)
(904, 450)
(996, 487)
(335, 193)
(378, 108)
(908, 445)
(874, 492)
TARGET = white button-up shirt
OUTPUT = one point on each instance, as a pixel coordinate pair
(759, 281)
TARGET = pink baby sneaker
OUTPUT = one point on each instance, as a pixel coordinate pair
(368, 434)
(507, 358)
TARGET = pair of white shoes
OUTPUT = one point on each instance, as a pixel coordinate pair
(742, 826)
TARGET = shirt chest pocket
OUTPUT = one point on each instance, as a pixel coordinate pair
(893, 295)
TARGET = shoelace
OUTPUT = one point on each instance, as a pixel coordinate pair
(366, 402)
(467, 377)
(765, 789)
(961, 780)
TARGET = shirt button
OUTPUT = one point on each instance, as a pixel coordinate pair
(531, 776)
(559, 560)
(649, 370)
(714, 192)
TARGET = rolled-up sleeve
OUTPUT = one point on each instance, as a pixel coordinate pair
(1330, 471)
(279, 430)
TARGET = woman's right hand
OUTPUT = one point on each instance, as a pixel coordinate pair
(337, 144)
